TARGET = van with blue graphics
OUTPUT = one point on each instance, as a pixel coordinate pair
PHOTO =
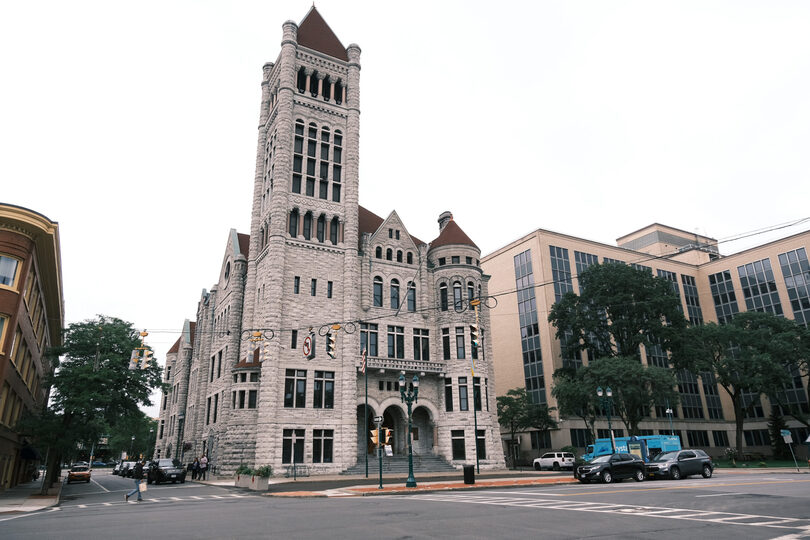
(645, 446)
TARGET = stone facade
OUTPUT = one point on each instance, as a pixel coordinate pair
(314, 259)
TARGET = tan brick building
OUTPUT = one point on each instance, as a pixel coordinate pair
(539, 268)
(31, 320)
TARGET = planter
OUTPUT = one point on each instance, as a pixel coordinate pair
(256, 483)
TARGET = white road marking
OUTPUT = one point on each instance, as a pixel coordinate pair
(99, 485)
(723, 518)
(719, 495)
(31, 514)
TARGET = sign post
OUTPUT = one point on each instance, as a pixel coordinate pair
(789, 440)
(378, 420)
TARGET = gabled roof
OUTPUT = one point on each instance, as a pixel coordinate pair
(188, 334)
(314, 33)
(369, 222)
(244, 244)
(452, 234)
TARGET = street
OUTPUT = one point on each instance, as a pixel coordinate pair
(729, 505)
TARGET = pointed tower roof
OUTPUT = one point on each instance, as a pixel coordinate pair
(314, 33)
(452, 234)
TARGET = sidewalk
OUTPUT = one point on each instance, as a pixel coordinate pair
(26, 497)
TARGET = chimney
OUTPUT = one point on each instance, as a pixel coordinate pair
(444, 219)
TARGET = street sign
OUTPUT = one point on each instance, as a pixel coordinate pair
(307, 347)
(378, 419)
(785, 432)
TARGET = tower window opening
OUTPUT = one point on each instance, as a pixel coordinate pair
(302, 80)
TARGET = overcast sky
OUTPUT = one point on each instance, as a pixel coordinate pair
(134, 126)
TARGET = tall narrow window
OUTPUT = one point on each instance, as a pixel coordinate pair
(457, 300)
(396, 342)
(409, 258)
(399, 253)
(394, 294)
(378, 252)
(443, 296)
(460, 352)
(388, 254)
(411, 296)
(446, 343)
(477, 393)
(324, 395)
(378, 292)
(368, 339)
(292, 446)
(329, 289)
(308, 225)
(293, 228)
(294, 339)
(470, 290)
(295, 386)
(320, 233)
(463, 405)
(421, 344)
(448, 394)
(457, 441)
(322, 445)
(333, 231)
(296, 285)
(313, 288)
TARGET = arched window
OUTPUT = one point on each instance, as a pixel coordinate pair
(443, 296)
(321, 229)
(338, 91)
(333, 231)
(409, 258)
(394, 294)
(378, 284)
(302, 80)
(470, 290)
(308, 225)
(388, 254)
(399, 255)
(411, 296)
(457, 295)
(378, 252)
(293, 228)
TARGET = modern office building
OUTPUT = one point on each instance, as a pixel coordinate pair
(251, 380)
(31, 320)
(543, 265)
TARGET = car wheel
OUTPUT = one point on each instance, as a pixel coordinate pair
(537, 467)
(675, 473)
(707, 471)
(88, 480)
(607, 478)
(639, 476)
(556, 466)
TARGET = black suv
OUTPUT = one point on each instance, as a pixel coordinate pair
(680, 464)
(611, 467)
(165, 470)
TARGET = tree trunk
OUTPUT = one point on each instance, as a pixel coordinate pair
(739, 420)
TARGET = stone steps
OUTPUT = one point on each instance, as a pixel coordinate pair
(399, 464)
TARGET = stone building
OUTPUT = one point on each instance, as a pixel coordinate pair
(243, 390)
(31, 319)
(543, 265)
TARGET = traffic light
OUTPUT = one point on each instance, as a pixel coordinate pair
(146, 358)
(388, 433)
(474, 333)
(133, 360)
(374, 437)
(330, 344)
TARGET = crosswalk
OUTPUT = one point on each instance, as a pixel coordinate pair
(690, 514)
(156, 500)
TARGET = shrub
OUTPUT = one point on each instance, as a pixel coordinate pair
(265, 471)
(244, 470)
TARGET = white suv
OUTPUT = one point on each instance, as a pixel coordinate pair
(554, 460)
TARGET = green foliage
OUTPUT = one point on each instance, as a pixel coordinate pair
(244, 470)
(755, 352)
(619, 309)
(265, 471)
(776, 423)
(512, 410)
(575, 396)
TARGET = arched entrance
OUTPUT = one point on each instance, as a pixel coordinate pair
(364, 443)
(394, 419)
(422, 433)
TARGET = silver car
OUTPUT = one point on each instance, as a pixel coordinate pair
(680, 464)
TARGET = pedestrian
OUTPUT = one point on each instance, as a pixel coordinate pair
(137, 475)
(195, 468)
(203, 466)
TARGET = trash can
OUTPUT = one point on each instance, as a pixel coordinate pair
(469, 474)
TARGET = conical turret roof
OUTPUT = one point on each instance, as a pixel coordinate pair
(314, 33)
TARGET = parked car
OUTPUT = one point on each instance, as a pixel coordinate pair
(554, 460)
(166, 470)
(611, 467)
(117, 468)
(680, 464)
(99, 464)
(78, 473)
(126, 469)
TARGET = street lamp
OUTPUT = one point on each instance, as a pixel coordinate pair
(130, 446)
(669, 415)
(409, 397)
(151, 448)
(606, 397)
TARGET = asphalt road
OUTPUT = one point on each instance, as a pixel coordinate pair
(773, 505)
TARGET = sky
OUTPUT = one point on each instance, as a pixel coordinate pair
(134, 125)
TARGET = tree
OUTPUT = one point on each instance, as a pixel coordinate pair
(575, 396)
(619, 309)
(512, 410)
(755, 353)
(92, 388)
(538, 416)
(776, 423)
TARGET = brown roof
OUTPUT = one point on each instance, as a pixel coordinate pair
(369, 222)
(176, 347)
(313, 32)
(452, 234)
(244, 247)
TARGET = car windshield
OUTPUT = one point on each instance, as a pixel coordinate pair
(601, 459)
(79, 468)
(166, 463)
(666, 456)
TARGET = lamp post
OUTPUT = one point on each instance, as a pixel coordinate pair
(151, 449)
(669, 415)
(606, 397)
(409, 397)
(131, 442)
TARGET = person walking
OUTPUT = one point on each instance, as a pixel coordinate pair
(195, 468)
(137, 475)
(203, 466)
